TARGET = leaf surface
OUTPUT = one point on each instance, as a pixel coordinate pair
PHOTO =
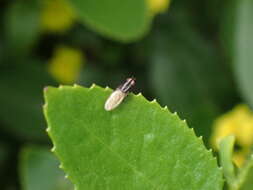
(39, 169)
(139, 145)
(242, 179)
(182, 65)
(22, 26)
(122, 20)
(226, 150)
(243, 45)
(248, 177)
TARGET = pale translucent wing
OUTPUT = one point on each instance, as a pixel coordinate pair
(114, 100)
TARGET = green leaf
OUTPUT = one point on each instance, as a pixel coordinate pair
(243, 44)
(227, 26)
(4, 164)
(139, 145)
(1, 52)
(226, 148)
(242, 180)
(181, 73)
(22, 26)
(4, 153)
(121, 20)
(247, 179)
(39, 170)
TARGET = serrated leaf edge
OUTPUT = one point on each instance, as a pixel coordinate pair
(139, 95)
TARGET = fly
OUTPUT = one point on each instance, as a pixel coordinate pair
(119, 94)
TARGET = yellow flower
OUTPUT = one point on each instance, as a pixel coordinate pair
(57, 16)
(239, 157)
(158, 6)
(65, 65)
(238, 122)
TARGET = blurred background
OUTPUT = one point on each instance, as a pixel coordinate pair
(193, 56)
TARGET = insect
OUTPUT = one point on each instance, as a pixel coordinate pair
(119, 94)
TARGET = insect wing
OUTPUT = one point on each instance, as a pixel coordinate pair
(114, 100)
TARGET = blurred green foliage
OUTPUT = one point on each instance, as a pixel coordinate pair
(236, 178)
(243, 48)
(35, 162)
(20, 38)
(196, 58)
(124, 20)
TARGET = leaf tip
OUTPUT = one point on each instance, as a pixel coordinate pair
(107, 88)
(48, 129)
(192, 131)
(184, 122)
(45, 105)
(165, 108)
(210, 151)
(76, 85)
(92, 86)
(153, 101)
(53, 149)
